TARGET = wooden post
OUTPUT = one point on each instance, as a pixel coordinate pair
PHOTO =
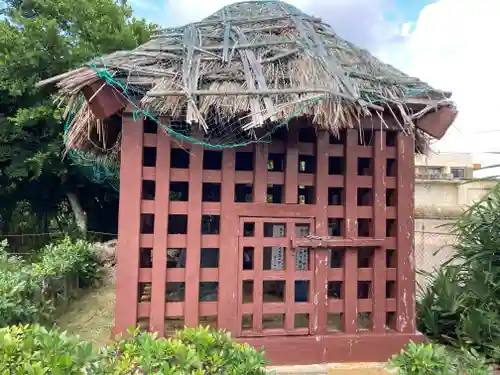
(379, 221)
(351, 231)
(162, 198)
(405, 284)
(127, 268)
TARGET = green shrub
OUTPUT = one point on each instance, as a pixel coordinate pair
(462, 304)
(25, 288)
(429, 359)
(67, 259)
(36, 350)
(21, 299)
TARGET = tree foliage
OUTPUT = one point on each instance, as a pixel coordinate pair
(40, 39)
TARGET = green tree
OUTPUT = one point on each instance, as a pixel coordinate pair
(40, 39)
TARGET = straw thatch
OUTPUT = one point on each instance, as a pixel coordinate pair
(260, 61)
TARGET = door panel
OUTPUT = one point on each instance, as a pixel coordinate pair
(276, 281)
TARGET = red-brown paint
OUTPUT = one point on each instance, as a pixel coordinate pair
(289, 345)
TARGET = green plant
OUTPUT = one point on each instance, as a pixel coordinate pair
(462, 303)
(69, 259)
(21, 299)
(429, 359)
(36, 350)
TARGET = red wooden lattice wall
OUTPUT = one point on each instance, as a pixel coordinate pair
(194, 249)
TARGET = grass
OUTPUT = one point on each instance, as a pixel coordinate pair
(91, 316)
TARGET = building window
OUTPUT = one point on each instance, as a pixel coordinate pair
(434, 172)
(458, 172)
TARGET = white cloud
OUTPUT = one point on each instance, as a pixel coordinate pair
(360, 21)
(453, 46)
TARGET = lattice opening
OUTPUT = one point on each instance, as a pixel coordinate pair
(244, 161)
(149, 156)
(365, 197)
(337, 257)
(391, 229)
(391, 138)
(175, 292)
(303, 258)
(390, 197)
(210, 224)
(179, 191)
(276, 230)
(365, 167)
(176, 257)
(248, 258)
(365, 257)
(147, 225)
(391, 258)
(391, 168)
(148, 191)
(248, 229)
(364, 321)
(275, 193)
(212, 160)
(302, 290)
(365, 228)
(336, 165)
(209, 321)
(274, 258)
(145, 257)
(211, 192)
(307, 135)
(276, 162)
(307, 164)
(335, 322)
(150, 126)
(338, 139)
(273, 291)
(143, 324)
(390, 321)
(335, 227)
(209, 291)
(366, 137)
(173, 324)
(306, 194)
(177, 224)
(209, 257)
(335, 196)
(273, 321)
(243, 193)
(390, 289)
(247, 322)
(301, 321)
(247, 295)
(179, 158)
(336, 289)
(365, 290)
(144, 294)
(302, 230)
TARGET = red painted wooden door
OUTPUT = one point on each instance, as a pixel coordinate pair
(276, 280)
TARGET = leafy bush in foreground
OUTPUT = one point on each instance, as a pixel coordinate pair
(429, 359)
(36, 350)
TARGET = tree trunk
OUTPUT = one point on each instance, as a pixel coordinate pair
(80, 214)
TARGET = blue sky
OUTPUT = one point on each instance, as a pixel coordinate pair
(394, 12)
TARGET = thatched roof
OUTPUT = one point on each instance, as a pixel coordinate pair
(254, 63)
